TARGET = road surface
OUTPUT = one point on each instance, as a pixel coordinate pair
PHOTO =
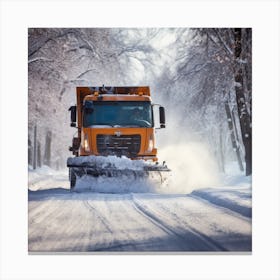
(64, 221)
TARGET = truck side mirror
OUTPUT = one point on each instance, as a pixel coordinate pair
(73, 115)
(162, 117)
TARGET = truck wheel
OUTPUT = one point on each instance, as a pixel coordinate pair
(72, 179)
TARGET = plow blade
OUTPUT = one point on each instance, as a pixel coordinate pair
(152, 173)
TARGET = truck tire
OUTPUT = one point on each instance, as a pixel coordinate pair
(72, 179)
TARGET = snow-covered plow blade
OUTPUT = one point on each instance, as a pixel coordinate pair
(114, 167)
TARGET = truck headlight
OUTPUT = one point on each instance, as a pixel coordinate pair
(151, 144)
(86, 143)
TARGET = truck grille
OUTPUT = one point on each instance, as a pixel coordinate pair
(123, 145)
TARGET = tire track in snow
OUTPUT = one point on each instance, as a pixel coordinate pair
(131, 222)
(96, 213)
(210, 244)
(113, 242)
(123, 239)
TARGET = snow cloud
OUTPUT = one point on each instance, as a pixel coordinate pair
(187, 154)
(192, 167)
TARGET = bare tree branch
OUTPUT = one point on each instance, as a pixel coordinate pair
(39, 59)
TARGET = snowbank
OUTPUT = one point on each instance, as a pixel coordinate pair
(47, 178)
(235, 194)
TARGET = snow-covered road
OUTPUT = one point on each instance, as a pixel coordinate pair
(63, 221)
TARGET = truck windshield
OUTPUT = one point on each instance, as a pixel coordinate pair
(117, 113)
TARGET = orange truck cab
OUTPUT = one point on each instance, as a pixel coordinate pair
(115, 121)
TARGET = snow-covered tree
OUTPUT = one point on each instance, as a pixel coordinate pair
(58, 61)
(205, 78)
(194, 73)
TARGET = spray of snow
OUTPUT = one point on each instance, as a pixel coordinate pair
(187, 154)
(131, 178)
(192, 167)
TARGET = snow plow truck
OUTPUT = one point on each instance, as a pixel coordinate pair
(115, 123)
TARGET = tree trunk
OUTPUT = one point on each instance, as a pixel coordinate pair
(39, 158)
(30, 151)
(244, 117)
(47, 156)
(35, 148)
(236, 147)
(222, 157)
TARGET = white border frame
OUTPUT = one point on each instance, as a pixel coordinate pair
(262, 16)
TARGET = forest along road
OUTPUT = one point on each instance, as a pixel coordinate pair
(64, 221)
